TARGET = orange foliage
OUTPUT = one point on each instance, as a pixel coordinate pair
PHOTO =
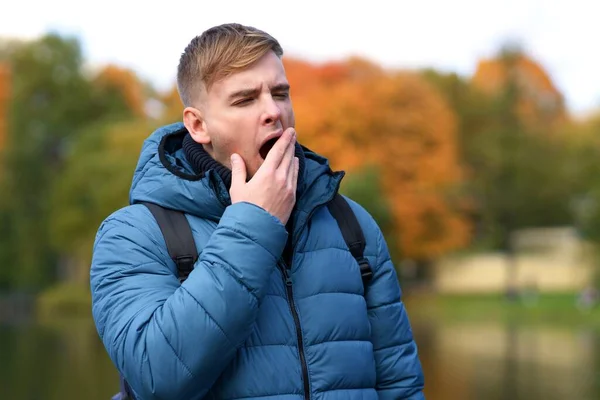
(173, 107)
(355, 114)
(127, 82)
(4, 98)
(307, 76)
(540, 103)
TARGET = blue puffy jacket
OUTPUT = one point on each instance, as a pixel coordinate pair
(228, 332)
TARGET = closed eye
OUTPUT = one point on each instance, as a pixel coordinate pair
(243, 102)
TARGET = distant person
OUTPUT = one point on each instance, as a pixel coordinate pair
(275, 299)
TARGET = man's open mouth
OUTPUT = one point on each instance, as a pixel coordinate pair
(267, 146)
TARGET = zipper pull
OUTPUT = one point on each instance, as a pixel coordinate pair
(286, 275)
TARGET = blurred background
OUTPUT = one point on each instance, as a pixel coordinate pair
(470, 130)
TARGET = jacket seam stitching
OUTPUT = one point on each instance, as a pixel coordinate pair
(209, 316)
(266, 395)
(244, 234)
(269, 345)
(392, 346)
(344, 389)
(174, 352)
(392, 303)
(114, 221)
(235, 278)
(341, 341)
(378, 251)
(328, 293)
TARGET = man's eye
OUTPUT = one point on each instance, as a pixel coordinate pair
(281, 95)
(242, 102)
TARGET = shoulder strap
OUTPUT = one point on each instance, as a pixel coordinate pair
(178, 236)
(182, 249)
(352, 233)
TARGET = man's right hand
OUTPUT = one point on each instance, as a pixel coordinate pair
(273, 187)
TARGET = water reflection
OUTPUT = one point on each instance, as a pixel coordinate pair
(495, 361)
(65, 361)
(489, 361)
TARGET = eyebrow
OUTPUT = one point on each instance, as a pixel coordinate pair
(281, 87)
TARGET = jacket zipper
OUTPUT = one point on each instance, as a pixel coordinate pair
(290, 297)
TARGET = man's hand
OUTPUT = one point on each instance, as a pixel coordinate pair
(273, 187)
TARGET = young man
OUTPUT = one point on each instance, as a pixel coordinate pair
(275, 306)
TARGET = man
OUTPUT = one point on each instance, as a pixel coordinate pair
(275, 306)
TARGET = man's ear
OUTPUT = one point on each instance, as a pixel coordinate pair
(196, 125)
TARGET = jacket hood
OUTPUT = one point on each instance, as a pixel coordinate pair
(164, 176)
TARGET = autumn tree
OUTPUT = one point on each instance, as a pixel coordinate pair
(521, 172)
(99, 167)
(118, 92)
(511, 118)
(95, 182)
(584, 149)
(538, 103)
(5, 273)
(49, 102)
(4, 99)
(363, 116)
(53, 102)
(172, 106)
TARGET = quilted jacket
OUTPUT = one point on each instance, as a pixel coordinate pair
(243, 325)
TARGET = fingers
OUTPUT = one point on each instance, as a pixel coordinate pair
(280, 148)
(238, 170)
(288, 159)
(294, 175)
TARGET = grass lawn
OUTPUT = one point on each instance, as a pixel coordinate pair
(554, 309)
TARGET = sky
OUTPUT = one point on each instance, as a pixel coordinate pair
(562, 35)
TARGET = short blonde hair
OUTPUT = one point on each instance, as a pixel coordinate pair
(217, 53)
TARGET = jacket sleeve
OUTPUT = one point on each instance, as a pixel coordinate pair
(172, 341)
(399, 371)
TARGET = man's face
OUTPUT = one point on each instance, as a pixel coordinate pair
(245, 112)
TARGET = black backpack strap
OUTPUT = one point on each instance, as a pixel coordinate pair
(182, 249)
(352, 233)
(178, 236)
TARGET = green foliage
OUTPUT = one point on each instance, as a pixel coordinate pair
(92, 187)
(64, 300)
(518, 175)
(585, 153)
(47, 109)
(364, 187)
(52, 102)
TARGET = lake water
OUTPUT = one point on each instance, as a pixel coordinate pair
(482, 361)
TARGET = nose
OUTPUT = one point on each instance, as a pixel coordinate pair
(272, 112)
